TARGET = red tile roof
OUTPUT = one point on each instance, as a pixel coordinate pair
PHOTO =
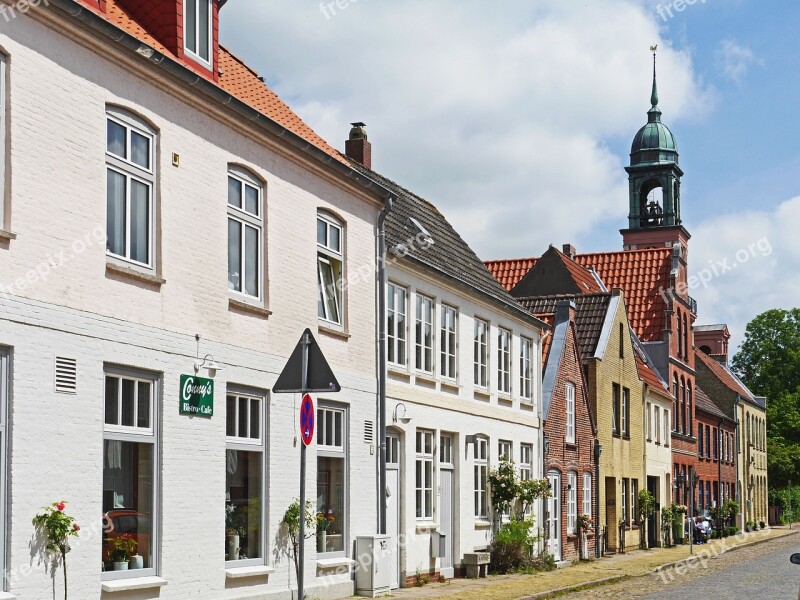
(650, 377)
(550, 319)
(641, 274)
(509, 272)
(236, 78)
(724, 375)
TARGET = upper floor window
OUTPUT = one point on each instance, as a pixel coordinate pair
(626, 411)
(569, 394)
(396, 324)
(647, 416)
(197, 28)
(615, 408)
(680, 336)
(621, 340)
(666, 427)
(700, 441)
(481, 353)
(424, 337)
(525, 368)
(657, 424)
(245, 233)
(330, 260)
(447, 341)
(130, 183)
(503, 361)
(716, 443)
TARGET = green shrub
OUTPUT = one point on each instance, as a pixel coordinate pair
(512, 548)
(762, 524)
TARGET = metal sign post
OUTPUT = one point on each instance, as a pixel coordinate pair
(306, 371)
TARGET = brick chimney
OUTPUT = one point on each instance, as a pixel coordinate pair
(570, 251)
(358, 147)
(713, 340)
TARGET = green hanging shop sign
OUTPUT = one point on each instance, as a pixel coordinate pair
(197, 396)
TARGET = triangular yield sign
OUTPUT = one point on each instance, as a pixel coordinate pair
(320, 375)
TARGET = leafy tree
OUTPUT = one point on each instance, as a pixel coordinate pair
(647, 506)
(769, 364)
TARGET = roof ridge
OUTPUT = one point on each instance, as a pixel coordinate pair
(625, 252)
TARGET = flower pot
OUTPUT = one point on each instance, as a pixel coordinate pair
(121, 566)
(137, 562)
(233, 546)
(677, 533)
(322, 540)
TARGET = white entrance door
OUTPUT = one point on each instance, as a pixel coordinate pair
(447, 504)
(393, 505)
(554, 515)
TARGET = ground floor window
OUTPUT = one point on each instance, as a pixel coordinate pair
(331, 480)
(4, 386)
(130, 482)
(481, 474)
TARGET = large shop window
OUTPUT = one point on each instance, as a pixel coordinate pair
(130, 184)
(332, 479)
(130, 480)
(245, 432)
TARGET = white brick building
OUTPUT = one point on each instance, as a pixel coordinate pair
(135, 175)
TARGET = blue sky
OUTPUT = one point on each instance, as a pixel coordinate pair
(516, 118)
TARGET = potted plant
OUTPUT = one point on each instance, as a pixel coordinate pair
(585, 525)
(678, 525)
(123, 547)
(57, 527)
(234, 530)
(324, 521)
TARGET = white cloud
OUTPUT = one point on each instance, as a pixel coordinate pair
(761, 250)
(736, 60)
(498, 113)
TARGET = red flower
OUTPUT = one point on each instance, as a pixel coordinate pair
(76, 527)
(60, 506)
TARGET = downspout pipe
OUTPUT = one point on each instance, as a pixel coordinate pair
(382, 375)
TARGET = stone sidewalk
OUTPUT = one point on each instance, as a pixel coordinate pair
(636, 563)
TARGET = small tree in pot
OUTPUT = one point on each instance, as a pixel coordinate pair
(57, 527)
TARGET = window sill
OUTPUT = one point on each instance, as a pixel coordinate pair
(451, 386)
(506, 399)
(332, 563)
(570, 445)
(482, 394)
(337, 333)
(7, 236)
(130, 273)
(134, 583)
(240, 572)
(6, 595)
(483, 524)
(398, 370)
(425, 377)
(426, 526)
(253, 309)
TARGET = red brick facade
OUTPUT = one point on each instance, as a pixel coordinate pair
(716, 459)
(566, 457)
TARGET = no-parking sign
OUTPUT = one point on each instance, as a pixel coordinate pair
(307, 420)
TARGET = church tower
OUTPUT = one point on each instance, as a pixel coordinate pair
(654, 180)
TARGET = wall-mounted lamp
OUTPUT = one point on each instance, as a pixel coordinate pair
(207, 362)
(402, 418)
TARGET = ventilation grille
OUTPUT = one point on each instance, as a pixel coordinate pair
(369, 432)
(66, 375)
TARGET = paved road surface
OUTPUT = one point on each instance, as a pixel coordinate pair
(760, 572)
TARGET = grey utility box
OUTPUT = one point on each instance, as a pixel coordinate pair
(438, 544)
(373, 561)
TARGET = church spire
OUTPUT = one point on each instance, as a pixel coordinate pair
(654, 113)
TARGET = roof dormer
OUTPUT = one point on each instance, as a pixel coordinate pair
(189, 29)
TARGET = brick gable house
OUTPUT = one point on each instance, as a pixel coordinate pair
(569, 431)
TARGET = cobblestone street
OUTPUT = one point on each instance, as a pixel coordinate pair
(759, 572)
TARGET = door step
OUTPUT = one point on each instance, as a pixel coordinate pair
(563, 564)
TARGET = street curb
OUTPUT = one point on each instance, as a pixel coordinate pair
(616, 578)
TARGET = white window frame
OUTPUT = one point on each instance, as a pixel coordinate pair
(326, 410)
(526, 462)
(634, 501)
(572, 502)
(666, 427)
(526, 368)
(131, 171)
(657, 423)
(247, 219)
(481, 478)
(505, 449)
(625, 405)
(448, 342)
(426, 308)
(330, 257)
(446, 450)
(255, 445)
(481, 353)
(197, 54)
(647, 417)
(624, 497)
(569, 397)
(131, 429)
(587, 494)
(504, 338)
(140, 435)
(396, 333)
(424, 474)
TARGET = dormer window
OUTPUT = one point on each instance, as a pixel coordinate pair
(197, 29)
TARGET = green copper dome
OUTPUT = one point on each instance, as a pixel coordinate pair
(654, 143)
